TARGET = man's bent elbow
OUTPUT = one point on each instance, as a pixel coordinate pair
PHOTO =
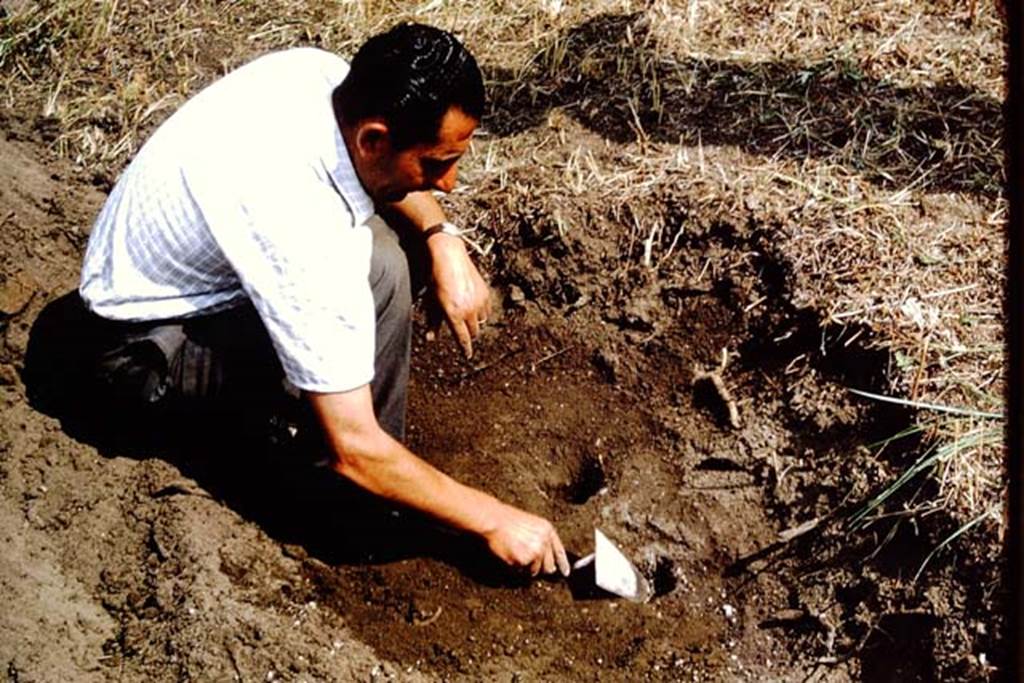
(358, 443)
(357, 454)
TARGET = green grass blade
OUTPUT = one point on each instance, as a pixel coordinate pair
(912, 429)
(934, 455)
(952, 410)
(952, 537)
(929, 459)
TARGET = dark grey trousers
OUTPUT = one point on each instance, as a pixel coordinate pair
(221, 361)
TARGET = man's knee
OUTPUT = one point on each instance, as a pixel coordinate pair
(389, 272)
(69, 350)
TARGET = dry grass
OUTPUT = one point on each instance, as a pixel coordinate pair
(870, 132)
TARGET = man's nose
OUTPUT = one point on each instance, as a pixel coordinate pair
(446, 183)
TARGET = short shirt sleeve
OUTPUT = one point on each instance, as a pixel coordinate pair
(305, 266)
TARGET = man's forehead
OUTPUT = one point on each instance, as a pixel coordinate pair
(456, 127)
(453, 136)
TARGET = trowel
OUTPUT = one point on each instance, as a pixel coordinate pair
(612, 571)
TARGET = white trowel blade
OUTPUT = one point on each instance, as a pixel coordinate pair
(614, 573)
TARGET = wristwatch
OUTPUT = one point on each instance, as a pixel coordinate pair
(445, 227)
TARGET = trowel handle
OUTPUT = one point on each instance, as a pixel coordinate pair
(584, 561)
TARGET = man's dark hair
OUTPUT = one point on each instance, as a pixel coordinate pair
(410, 76)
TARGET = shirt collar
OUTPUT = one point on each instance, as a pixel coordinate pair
(343, 173)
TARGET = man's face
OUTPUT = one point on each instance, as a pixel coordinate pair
(423, 166)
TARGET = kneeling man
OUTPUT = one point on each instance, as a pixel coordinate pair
(242, 245)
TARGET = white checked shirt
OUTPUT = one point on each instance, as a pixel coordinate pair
(248, 191)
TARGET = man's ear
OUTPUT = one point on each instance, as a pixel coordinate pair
(373, 138)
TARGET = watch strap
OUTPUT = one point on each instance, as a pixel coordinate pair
(445, 227)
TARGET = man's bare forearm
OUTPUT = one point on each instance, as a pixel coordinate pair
(368, 456)
(420, 209)
(372, 459)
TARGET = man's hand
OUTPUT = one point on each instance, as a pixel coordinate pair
(366, 455)
(527, 541)
(461, 292)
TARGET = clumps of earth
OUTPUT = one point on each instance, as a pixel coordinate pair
(198, 555)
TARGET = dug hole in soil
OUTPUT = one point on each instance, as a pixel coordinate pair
(218, 558)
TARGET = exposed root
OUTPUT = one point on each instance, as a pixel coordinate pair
(715, 378)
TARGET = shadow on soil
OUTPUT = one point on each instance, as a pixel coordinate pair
(900, 648)
(607, 74)
(250, 462)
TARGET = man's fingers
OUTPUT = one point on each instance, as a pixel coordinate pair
(549, 560)
(484, 315)
(473, 325)
(435, 318)
(560, 556)
(462, 334)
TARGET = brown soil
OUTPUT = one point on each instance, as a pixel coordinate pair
(226, 558)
